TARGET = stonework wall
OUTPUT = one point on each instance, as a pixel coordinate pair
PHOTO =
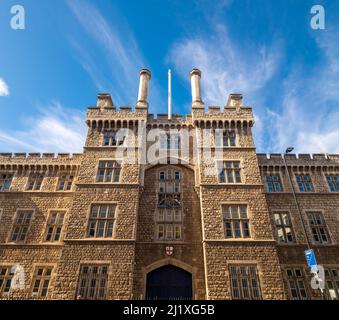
(134, 250)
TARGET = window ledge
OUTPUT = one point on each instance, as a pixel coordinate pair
(99, 240)
(241, 240)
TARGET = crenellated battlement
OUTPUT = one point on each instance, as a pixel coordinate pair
(13, 161)
(311, 160)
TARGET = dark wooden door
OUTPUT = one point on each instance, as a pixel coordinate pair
(169, 282)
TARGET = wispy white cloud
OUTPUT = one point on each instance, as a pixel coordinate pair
(4, 90)
(53, 129)
(226, 66)
(309, 115)
(117, 72)
(306, 116)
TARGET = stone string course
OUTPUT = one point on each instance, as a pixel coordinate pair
(134, 250)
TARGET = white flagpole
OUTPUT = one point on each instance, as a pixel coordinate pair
(169, 95)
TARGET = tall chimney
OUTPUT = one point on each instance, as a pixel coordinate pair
(195, 76)
(145, 76)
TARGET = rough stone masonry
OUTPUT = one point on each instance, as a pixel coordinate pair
(98, 226)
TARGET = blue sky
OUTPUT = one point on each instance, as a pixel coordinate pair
(71, 50)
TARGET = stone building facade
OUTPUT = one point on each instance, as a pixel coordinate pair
(207, 219)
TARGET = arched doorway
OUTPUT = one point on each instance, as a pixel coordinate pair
(169, 282)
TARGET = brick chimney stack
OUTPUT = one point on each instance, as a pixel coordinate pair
(197, 102)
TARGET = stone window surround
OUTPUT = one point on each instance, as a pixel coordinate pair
(260, 273)
(164, 168)
(53, 275)
(9, 276)
(110, 131)
(9, 172)
(270, 173)
(88, 215)
(329, 173)
(108, 159)
(330, 240)
(306, 277)
(13, 226)
(241, 169)
(107, 263)
(37, 173)
(330, 267)
(249, 217)
(272, 212)
(62, 234)
(67, 174)
(295, 182)
(236, 138)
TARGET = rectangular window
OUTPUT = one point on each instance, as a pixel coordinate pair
(170, 141)
(114, 138)
(318, 227)
(296, 284)
(21, 225)
(169, 224)
(92, 284)
(230, 172)
(5, 181)
(65, 182)
(225, 138)
(101, 221)
(333, 182)
(332, 283)
(284, 227)
(304, 182)
(54, 226)
(40, 283)
(6, 275)
(245, 282)
(236, 222)
(35, 181)
(108, 171)
(273, 183)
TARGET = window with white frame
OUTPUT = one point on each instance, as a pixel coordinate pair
(236, 222)
(92, 284)
(65, 182)
(6, 276)
(169, 193)
(40, 282)
(304, 182)
(332, 283)
(108, 171)
(296, 284)
(169, 224)
(283, 226)
(101, 221)
(114, 138)
(5, 181)
(318, 227)
(333, 182)
(245, 282)
(229, 172)
(35, 180)
(54, 225)
(21, 226)
(273, 182)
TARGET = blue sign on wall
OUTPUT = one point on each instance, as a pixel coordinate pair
(310, 258)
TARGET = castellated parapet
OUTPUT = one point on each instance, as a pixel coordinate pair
(232, 225)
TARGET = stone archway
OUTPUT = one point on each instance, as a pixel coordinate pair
(169, 282)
